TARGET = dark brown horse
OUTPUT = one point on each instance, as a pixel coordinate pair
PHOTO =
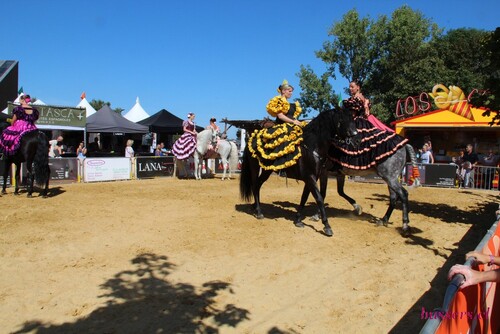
(318, 135)
(33, 152)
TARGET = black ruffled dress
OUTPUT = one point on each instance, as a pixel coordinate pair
(376, 144)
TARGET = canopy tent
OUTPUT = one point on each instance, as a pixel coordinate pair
(165, 122)
(137, 113)
(85, 104)
(450, 132)
(106, 120)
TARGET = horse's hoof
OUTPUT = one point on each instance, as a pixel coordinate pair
(16, 193)
(315, 218)
(4, 192)
(259, 216)
(299, 224)
(328, 231)
(30, 196)
(406, 231)
(358, 210)
(381, 222)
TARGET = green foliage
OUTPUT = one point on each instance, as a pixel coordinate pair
(98, 104)
(317, 93)
(398, 57)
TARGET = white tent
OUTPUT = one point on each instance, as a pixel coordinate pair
(137, 113)
(16, 101)
(85, 104)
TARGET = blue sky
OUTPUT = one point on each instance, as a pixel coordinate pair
(220, 59)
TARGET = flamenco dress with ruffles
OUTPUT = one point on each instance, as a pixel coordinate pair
(185, 146)
(376, 144)
(278, 147)
(10, 140)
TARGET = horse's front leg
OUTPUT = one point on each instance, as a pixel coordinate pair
(340, 190)
(303, 199)
(313, 188)
(17, 178)
(8, 166)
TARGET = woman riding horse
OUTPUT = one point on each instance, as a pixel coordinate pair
(23, 121)
(286, 147)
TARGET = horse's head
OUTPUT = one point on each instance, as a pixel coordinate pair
(344, 123)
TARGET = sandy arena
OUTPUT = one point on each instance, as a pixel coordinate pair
(184, 256)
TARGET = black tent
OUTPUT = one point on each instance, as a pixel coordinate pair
(165, 122)
(106, 120)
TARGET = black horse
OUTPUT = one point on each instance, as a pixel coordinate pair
(317, 136)
(33, 151)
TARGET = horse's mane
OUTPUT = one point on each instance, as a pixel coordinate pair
(322, 128)
(204, 138)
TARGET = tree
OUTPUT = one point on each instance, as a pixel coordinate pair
(408, 64)
(98, 104)
(466, 66)
(490, 99)
(317, 93)
(392, 58)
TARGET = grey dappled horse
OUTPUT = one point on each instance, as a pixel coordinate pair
(389, 170)
(227, 151)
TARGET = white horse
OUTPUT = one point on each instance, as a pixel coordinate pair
(227, 151)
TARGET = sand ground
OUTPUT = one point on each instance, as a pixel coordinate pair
(184, 256)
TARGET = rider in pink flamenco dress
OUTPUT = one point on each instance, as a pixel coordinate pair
(23, 121)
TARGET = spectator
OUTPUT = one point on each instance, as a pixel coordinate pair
(473, 277)
(158, 152)
(94, 146)
(470, 160)
(458, 161)
(56, 147)
(426, 156)
(488, 172)
(81, 151)
(129, 151)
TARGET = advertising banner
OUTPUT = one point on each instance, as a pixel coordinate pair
(147, 167)
(106, 169)
(63, 169)
(55, 115)
(439, 175)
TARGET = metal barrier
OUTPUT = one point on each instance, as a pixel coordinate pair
(434, 321)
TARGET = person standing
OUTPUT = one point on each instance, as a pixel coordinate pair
(470, 160)
(24, 117)
(129, 151)
(81, 151)
(185, 146)
(426, 157)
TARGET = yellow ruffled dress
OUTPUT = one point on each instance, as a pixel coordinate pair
(278, 147)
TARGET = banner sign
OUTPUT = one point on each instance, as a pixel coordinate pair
(106, 169)
(440, 175)
(56, 115)
(63, 169)
(154, 166)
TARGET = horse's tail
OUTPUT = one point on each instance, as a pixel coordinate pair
(233, 157)
(41, 160)
(246, 177)
(415, 174)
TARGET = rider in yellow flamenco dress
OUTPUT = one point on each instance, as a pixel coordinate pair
(278, 147)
